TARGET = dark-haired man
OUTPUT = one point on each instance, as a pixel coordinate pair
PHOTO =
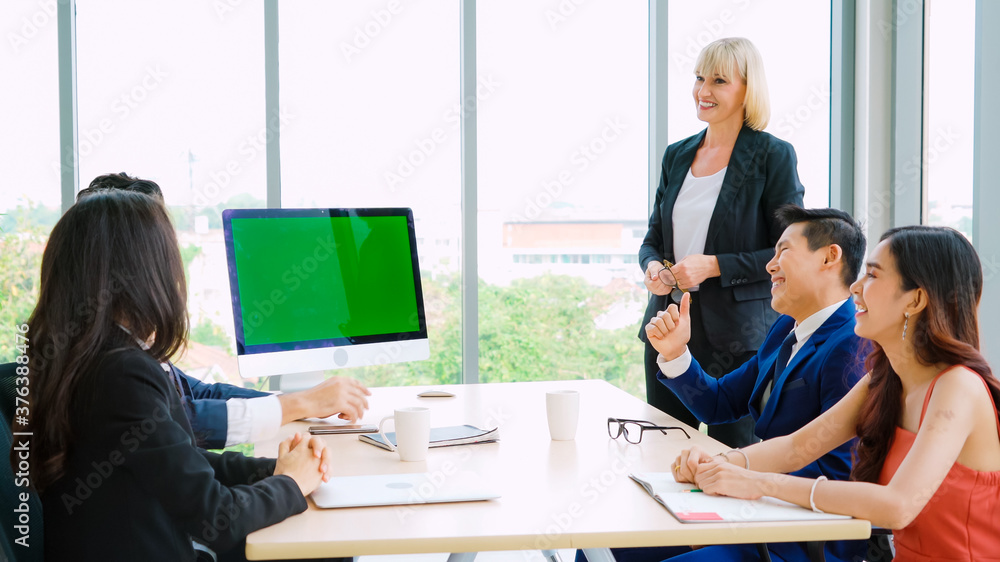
(809, 360)
(223, 415)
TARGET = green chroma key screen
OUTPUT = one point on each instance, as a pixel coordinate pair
(321, 278)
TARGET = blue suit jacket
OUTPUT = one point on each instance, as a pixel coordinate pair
(205, 406)
(822, 371)
(827, 365)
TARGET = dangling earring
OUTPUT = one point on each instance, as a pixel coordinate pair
(906, 315)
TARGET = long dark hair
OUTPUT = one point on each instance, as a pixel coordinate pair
(111, 260)
(944, 264)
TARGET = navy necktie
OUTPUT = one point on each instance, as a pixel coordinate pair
(784, 354)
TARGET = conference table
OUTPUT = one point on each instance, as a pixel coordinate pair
(554, 494)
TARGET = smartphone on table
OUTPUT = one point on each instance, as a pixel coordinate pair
(335, 429)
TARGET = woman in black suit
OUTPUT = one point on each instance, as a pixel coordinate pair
(113, 455)
(713, 222)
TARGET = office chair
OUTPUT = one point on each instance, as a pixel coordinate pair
(9, 492)
(879, 548)
(8, 375)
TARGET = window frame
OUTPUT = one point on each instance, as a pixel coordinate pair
(849, 186)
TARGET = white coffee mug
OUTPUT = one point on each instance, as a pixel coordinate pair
(563, 410)
(413, 432)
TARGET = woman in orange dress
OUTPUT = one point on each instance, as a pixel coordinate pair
(927, 463)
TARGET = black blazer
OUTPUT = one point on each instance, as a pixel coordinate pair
(137, 488)
(736, 307)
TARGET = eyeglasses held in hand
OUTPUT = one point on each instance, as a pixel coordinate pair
(633, 429)
(667, 278)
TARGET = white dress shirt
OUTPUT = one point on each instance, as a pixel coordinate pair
(252, 419)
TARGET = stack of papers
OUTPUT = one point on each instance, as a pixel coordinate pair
(689, 505)
(443, 436)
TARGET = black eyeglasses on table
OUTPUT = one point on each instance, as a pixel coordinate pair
(633, 429)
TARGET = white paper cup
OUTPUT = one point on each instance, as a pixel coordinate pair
(563, 410)
(413, 432)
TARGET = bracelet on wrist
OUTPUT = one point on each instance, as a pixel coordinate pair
(746, 459)
(812, 495)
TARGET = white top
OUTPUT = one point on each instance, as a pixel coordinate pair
(803, 331)
(693, 211)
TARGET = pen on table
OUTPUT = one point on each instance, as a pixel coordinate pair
(695, 491)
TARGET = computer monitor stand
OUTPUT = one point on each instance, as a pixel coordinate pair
(297, 381)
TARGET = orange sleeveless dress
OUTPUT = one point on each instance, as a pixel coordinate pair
(961, 521)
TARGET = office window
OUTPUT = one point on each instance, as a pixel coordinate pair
(185, 109)
(950, 62)
(29, 193)
(563, 132)
(371, 90)
(796, 62)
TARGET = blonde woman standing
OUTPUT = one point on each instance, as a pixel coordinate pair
(713, 227)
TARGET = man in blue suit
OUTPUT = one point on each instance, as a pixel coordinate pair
(223, 415)
(809, 360)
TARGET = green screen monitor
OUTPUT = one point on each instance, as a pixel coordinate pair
(318, 289)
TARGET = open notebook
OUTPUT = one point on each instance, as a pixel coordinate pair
(696, 507)
(402, 489)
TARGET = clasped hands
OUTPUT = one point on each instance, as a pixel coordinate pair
(690, 271)
(307, 460)
(304, 460)
(716, 475)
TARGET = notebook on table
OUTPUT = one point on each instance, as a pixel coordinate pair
(442, 436)
(402, 489)
(689, 506)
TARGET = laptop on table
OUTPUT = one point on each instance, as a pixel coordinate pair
(402, 489)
